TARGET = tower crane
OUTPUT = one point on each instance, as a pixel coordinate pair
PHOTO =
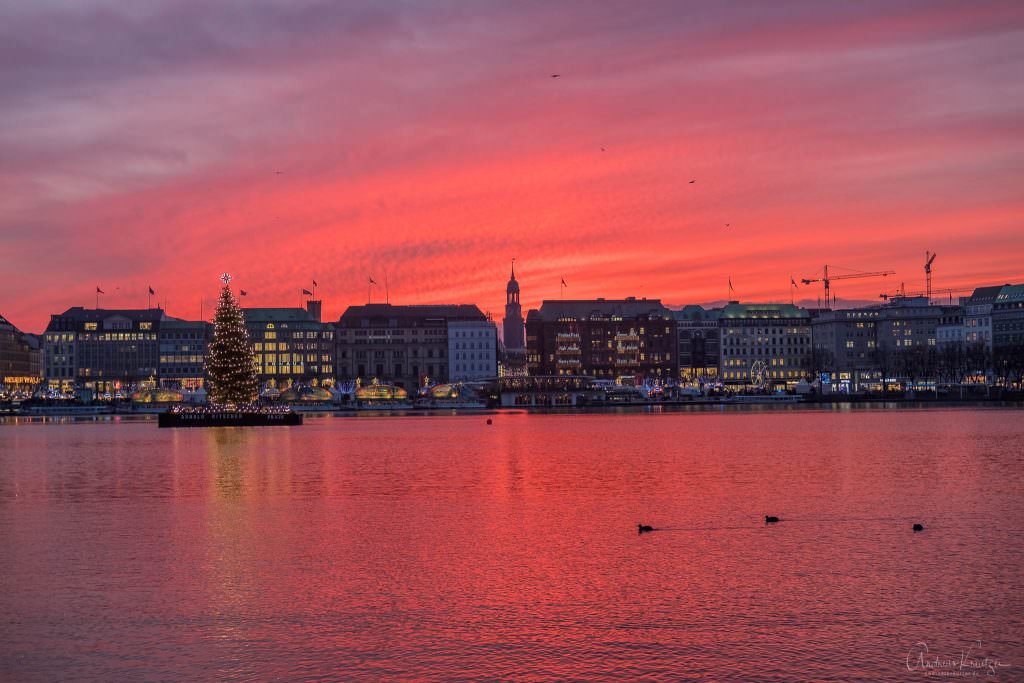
(903, 294)
(928, 258)
(826, 279)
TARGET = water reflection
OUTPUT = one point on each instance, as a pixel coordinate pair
(440, 548)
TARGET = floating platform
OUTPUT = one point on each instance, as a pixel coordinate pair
(229, 418)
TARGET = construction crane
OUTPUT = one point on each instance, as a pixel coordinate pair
(827, 279)
(904, 294)
(928, 258)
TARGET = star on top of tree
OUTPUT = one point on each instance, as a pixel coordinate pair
(225, 278)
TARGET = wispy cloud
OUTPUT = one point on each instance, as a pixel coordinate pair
(169, 141)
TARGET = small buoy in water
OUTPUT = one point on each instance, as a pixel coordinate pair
(768, 519)
(918, 527)
(644, 527)
(488, 420)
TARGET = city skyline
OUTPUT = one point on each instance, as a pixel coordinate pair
(136, 300)
(434, 145)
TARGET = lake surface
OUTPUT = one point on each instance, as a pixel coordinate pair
(441, 548)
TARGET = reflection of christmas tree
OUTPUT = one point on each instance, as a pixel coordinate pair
(230, 363)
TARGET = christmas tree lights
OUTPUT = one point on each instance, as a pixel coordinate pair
(231, 364)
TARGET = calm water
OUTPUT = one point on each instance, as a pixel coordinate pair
(444, 549)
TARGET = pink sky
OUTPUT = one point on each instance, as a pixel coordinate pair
(428, 141)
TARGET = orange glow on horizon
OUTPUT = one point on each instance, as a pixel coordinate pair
(435, 147)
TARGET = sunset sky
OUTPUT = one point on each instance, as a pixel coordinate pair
(163, 143)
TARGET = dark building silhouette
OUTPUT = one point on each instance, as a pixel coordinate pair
(512, 327)
(602, 338)
(1008, 318)
(699, 341)
(20, 357)
(401, 345)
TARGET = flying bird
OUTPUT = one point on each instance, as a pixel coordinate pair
(602, 149)
(692, 182)
(728, 224)
(556, 75)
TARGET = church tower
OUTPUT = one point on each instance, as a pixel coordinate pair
(512, 326)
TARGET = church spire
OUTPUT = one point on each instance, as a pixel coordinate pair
(513, 267)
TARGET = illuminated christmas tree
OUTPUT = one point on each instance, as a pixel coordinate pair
(230, 363)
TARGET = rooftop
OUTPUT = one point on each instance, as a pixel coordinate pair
(420, 311)
(738, 310)
(985, 295)
(696, 312)
(1010, 293)
(80, 313)
(586, 309)
(275, 315)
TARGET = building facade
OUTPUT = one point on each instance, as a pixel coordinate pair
(407, 346)
(291, 345)
(20, 358)
(950, 331)
(699, 340)
(845, 347)
(183, 349)
(602, 338)
(1008, 318)
(766, 345)
(101, 349)
(472, 350)
(978, 317)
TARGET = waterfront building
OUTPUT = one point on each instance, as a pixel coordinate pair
(183, 348)
(101, 349)
(845, 344)
(908, 340)
(20, 358)
(767, 345)
(402, 345)
(472, 350)
(908, 322)
(1007, 316)
(291, 345)
(978, 317)
(950, 331)
(699, 338)
(617, 339)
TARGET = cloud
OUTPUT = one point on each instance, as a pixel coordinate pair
(167, 142)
